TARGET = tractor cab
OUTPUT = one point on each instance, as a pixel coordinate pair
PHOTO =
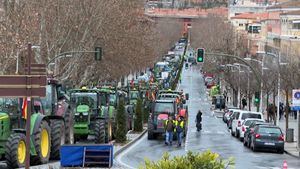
(133, 96)
(161, 111)
(90, 107)
(86, 103)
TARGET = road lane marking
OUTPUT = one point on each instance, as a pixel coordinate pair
(120, 156)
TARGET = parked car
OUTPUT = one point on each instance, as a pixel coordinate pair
(267, 137)
(227, 113)
(231, 118)
(250, 130)
(239, 118)
(245, 125)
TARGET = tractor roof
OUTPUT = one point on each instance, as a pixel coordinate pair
(84, 90)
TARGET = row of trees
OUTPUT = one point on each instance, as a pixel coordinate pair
(130, 40)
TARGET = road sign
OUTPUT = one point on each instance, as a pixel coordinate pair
(296, 99)
(17, 85)
(36, 69)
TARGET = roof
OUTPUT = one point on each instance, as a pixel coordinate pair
(288, 4)
(164, 101)
(254, 16)
(291, 13)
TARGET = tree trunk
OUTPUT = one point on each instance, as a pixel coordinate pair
(268, 116)
(249, 101)
(235, 96)
(287, 109)
(274, 106)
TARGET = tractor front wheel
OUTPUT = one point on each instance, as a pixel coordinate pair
(100, 132)
(58, 136)
(42, 143)
(15, 151)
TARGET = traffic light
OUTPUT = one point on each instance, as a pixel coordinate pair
(98, 53)
(257, 98)
(200, 55)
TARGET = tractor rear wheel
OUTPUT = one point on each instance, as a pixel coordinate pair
(99, 132)
(58, 136)
(15, 151)
(69, 127)
(42, 143)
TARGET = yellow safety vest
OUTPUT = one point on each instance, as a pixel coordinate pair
(181, 124)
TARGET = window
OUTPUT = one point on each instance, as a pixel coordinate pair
(164, 108)
(296, 25)
(251, 115)
(269, 130)
(241, 24)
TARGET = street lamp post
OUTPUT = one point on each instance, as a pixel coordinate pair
(261, 82)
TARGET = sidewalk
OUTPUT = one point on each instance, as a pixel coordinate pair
(290, 148)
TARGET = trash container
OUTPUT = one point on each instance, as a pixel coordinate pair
(290, 135)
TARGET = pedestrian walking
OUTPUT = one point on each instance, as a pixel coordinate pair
(280, 110)
(244, 102)
(169, 128)
(179, 129)
(199, 120)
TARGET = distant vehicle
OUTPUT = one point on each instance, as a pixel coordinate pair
(209, 82)
(240, 117)
(192, 60)
(267, 137)
(245, 125)
(183, 40)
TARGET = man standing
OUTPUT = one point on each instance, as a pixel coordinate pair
(179, 129)
(244, 102)
(169, 128)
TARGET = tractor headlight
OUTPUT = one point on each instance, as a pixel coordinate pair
(85, 113)
(76, 114)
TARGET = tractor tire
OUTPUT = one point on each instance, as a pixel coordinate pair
(15, 151)
(69, 121)
(58, 138)
(100, 132)
(42, 143)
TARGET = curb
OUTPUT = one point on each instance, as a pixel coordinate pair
(129, 144)
(288, 153)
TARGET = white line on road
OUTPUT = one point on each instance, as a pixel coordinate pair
(120, 156)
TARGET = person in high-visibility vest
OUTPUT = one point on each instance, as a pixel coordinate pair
(179, 126)
(169, 128)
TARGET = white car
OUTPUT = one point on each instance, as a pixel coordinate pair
(245, 125)
(240, 117)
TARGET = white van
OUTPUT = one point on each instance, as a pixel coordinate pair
(239, 119)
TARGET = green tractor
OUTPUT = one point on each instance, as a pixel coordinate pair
(50, 127)
(115, 95)
(92, 115)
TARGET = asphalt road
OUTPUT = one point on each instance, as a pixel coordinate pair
(214, 136)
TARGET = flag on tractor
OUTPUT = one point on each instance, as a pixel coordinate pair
(24, 108)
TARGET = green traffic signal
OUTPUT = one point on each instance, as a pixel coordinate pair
(256, 99)
(200, 55)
